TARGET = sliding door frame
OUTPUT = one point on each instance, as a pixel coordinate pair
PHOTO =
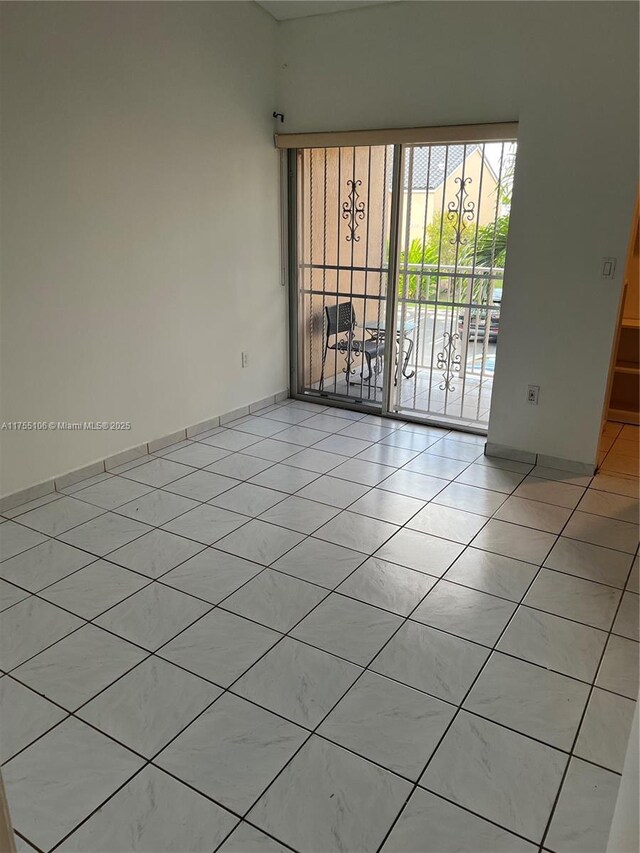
(391, 317)
(291, 144)
(290, 193)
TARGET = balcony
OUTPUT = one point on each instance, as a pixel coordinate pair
(447, 330)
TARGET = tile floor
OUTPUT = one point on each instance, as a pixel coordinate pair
(315, 630)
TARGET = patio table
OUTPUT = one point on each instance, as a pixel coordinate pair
(377, 331)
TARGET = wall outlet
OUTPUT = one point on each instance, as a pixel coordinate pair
(245, 359)
(533, 392)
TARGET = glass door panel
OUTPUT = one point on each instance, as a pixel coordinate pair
(439, 215)
(454, 223)
(342, 269)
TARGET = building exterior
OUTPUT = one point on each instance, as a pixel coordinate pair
(430, 182)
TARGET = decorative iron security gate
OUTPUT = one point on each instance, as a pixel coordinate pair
(455, 218)
(342, 265)
(398, 254)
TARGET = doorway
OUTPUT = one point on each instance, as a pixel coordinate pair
(456, 201)
(397, 255)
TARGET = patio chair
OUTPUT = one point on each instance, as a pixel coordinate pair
(341, 320)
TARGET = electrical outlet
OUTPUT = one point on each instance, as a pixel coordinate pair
(245, 359)
(533, 392)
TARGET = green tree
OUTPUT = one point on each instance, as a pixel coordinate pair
(481, 247)
(416, 285)
(442, 230)
(491, 249)
(438, 249)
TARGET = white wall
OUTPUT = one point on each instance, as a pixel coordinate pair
(569, 73)
(139, 223)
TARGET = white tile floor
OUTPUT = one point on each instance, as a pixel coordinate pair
(315, 630)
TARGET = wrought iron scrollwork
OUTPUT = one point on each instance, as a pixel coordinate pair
(349, 348)
(353, 210)
(461, 211)
(449, 360)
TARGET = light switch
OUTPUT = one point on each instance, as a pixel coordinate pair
(608, 268)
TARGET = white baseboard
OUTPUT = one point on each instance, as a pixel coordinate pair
(540, 459)
(39, 490)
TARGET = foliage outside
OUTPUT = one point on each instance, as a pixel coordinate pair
(488, 244)
(483, 248)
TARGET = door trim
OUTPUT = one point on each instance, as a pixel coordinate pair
(292, 146)
(290, 192)
(392, 279)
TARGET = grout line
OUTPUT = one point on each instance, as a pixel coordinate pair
(494, 649)
(265, 709)
(153, 654)
(249, 518)
(224, 691)
(460, 707)
(329, 592)
(581, 721)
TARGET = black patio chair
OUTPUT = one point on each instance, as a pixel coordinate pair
(341, 320)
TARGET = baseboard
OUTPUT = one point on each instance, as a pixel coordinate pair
(502, 451)
(39, 490)
(571, 465)
(31, 493)
(242, 412)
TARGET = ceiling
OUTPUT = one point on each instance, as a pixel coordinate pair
(285, 10)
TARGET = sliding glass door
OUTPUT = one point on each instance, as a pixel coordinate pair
(455, 202)
(397, 258)
(343, 213)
